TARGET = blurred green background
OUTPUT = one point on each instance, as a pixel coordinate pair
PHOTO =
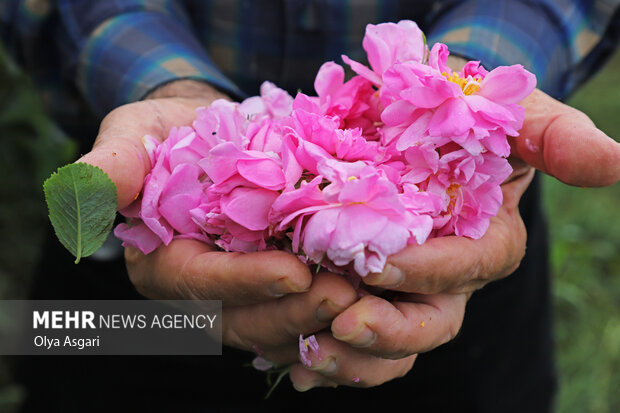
(585, 259)
(584, 225)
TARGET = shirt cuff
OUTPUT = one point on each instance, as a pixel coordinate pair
(131, 54)
(504, 33)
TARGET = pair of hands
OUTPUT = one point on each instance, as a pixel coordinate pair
(270, 297)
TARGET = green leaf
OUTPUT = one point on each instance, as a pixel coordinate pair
(81, 201)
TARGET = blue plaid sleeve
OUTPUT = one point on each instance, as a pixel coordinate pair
(125, 49)
(558, 40)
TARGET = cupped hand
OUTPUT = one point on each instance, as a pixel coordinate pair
(194, 270)
(267, 296)
(555, 139)
(436, 279)
(376, 340)
(387, 334)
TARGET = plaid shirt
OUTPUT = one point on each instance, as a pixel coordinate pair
(116, 51)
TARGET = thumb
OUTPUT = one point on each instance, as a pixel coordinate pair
(118, 149)
(563, 142)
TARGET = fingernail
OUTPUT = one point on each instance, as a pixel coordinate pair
(390, 277)
(282, 287)
(304, 387)
(361, 337)
(328, 367)
(326, 311)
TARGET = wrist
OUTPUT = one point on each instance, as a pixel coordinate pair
(189, 89)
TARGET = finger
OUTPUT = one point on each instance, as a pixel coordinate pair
(281, 356)
(279, 323)
(341, 364)
(565, 143)
(118, 149)
(188, 269)
(458, 264)
(519, 168)
(304, 379)
(399, 329)
(513, 190)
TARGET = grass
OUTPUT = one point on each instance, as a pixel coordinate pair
(585, 260)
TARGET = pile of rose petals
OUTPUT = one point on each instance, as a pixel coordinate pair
(405, 150)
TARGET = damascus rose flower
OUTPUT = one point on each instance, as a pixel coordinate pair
(317, 137)
(253, 123)
(222, 122)
(268, 115)
(262, 364)
(387, 44)
(245, 185)
(470, 187)
(357, 193)
(306, 345)
(174, 186)
(472, 108)
(355, 102)
(273, 103)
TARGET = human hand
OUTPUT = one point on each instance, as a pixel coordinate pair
(555, 139)
(376, 340)
(389, 332)
(197, 270)
(248, 284)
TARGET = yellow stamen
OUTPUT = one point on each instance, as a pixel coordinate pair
(452, 191)
(468, 85)
(351, 178)
(422, 324)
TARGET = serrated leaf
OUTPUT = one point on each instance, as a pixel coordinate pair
(81, 201)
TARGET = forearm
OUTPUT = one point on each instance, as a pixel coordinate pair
(123, 50)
